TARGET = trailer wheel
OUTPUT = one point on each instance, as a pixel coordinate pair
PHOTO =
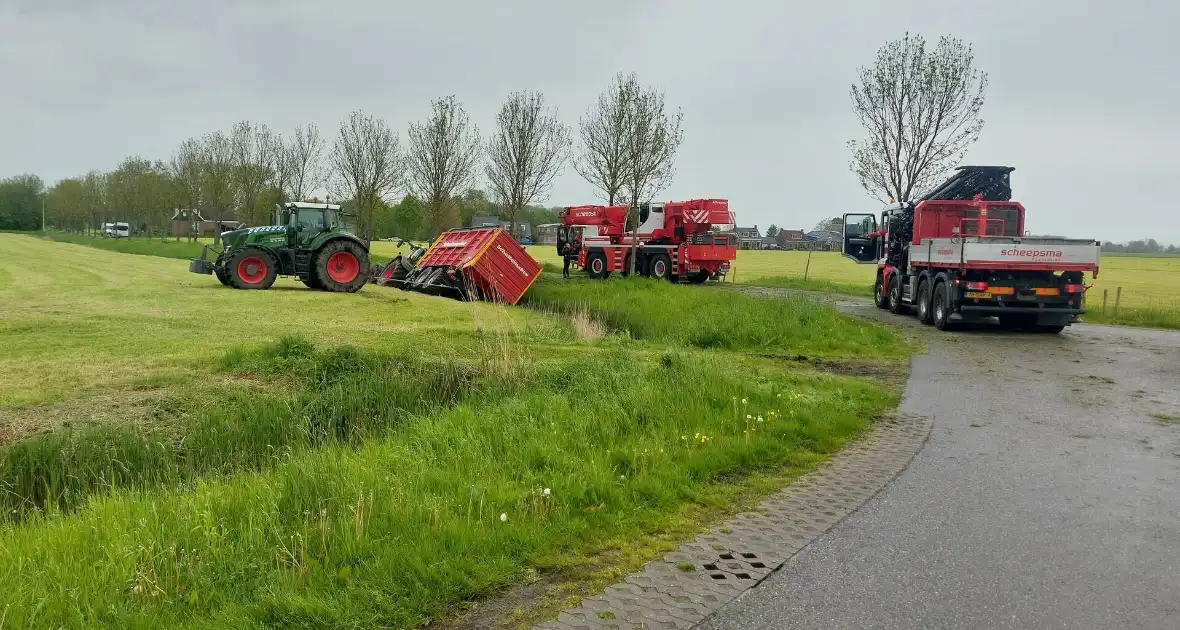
(895, 305)
(596, 265)
(878, 293)
(941, 307)
(338, 266)
(252, 268)
(659, 267)
(924, 315)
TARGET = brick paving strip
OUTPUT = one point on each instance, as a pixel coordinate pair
(735, 556)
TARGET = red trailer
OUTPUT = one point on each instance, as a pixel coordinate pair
(482, 263)
(678, 240)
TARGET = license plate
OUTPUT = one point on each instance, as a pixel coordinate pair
(979, 295)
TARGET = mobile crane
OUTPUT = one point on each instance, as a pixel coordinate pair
(679, 240)
(960, 253)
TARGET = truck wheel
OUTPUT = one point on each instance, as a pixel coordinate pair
(252, 268)
(659, 267)
(878, 290)
(941, 306)
(596, 265)
(698, 277)
(895, 305)
(338, 266)
(1049, 330)
(924, 315)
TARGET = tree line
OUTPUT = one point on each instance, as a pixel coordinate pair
(443, 173)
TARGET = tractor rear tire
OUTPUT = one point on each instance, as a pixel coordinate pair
(659, 267)
(252, 268)
(925, 316)
(339, 266)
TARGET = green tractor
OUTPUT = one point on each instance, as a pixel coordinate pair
(308, 240)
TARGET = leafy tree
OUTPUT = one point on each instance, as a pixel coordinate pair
(20, 202)
(772, 231)
(920, 111)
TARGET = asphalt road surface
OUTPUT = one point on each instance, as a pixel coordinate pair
(1048, 495)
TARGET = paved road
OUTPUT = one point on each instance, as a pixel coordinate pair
(1048, 496)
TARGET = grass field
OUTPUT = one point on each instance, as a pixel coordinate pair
(174, 453)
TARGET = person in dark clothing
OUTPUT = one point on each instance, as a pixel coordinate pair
(565, 261)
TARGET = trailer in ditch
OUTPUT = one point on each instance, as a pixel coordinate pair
(961, 254)
(482, 263)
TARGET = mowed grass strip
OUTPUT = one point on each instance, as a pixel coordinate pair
(77, 322)
(449, 506)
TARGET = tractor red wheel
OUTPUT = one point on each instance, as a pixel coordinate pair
(338, 265)
(252, 268)
(343, 267)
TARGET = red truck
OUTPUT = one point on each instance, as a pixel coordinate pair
(678, 240)
(961, 254)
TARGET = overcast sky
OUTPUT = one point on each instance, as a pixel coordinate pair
(1082, 100)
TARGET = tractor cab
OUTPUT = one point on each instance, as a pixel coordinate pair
(305, 221)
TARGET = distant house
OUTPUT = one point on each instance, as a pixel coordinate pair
(789, 239)
(186, 221)
(769, 242)
(547, 233)
(485, 220)
(749, 238)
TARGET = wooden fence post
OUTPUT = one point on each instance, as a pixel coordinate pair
(1118, 294)
(1104, 292)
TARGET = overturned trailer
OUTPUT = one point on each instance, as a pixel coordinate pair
(482, 263)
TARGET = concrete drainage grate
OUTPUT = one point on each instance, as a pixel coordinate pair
(736, 555)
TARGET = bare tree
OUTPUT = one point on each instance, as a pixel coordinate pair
(653, 135)
(217, 179)
(187, 167)
(254, 163)
(366, 165)
(920, 109)
(603, 130)
(303, 160)
(443, 154)
(526, 153)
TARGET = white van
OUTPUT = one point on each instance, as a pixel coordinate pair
(116, 230)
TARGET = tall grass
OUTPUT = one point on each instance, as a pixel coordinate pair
(402, 527)
(706, 317)
(343, 396)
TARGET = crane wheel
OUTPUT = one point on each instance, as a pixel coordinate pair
(252, 268)
(338, 266)
(659, 267)
(596, 265)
